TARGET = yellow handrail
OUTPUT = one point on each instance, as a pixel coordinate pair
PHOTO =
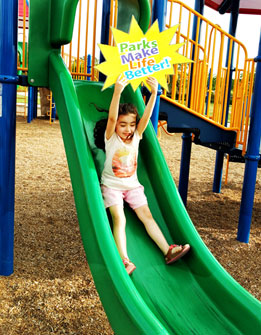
(206, 90)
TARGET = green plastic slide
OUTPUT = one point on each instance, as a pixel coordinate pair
(193, 296)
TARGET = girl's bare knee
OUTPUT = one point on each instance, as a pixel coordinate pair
(144, 213)
(119, 223)
(118, 217)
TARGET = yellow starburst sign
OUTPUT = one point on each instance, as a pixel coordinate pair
(138, 56)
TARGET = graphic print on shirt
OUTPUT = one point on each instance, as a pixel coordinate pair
(124, 162)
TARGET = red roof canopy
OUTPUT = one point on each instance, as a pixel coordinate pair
(245, 6)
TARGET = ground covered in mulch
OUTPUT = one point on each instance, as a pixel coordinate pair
(51, 290)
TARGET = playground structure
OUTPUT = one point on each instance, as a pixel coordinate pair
(217, 88)
(224, 128)
(142, 307)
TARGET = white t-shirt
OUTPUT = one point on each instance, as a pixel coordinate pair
(120, 167)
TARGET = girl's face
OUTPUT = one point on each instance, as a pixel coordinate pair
(125, 126)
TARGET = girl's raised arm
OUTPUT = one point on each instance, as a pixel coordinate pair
(153, 83)
(114, 106)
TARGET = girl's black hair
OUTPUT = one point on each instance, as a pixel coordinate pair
(100, 127)
(98, 133)
(127, 108)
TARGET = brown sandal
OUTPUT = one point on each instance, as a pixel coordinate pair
(173, 256)
(129, 266)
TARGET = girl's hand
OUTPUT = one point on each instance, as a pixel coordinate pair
(120, 84)
(153, 84)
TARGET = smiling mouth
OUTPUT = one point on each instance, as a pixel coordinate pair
(128, 135)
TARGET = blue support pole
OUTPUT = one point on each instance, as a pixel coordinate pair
(155, 113)
(53, 116)
(105, 30)
(232, 31)
(184, 166)
(220, 155)
(35, 95)
(217, 181)
(199, 7)
(32, 103)
(158, 13)
(252, 157)
(187, 138)
(8, 66)
(89, 66)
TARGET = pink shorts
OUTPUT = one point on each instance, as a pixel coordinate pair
(135, 198)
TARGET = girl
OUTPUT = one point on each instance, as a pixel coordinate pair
(119, 177)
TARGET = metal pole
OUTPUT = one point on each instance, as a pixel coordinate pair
(35, 95)
(89, 66)
(53, 116)
(32, 103)
(187, 138)
(252, 157)
(105, 31)
(199, 7)
(30, 112)
(184, 166)
(159, 13)
(8, 66)
(220, 155)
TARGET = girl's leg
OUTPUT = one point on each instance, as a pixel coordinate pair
(145, 216)
(119, 224)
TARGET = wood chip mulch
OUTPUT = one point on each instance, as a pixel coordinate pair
(51, 290)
